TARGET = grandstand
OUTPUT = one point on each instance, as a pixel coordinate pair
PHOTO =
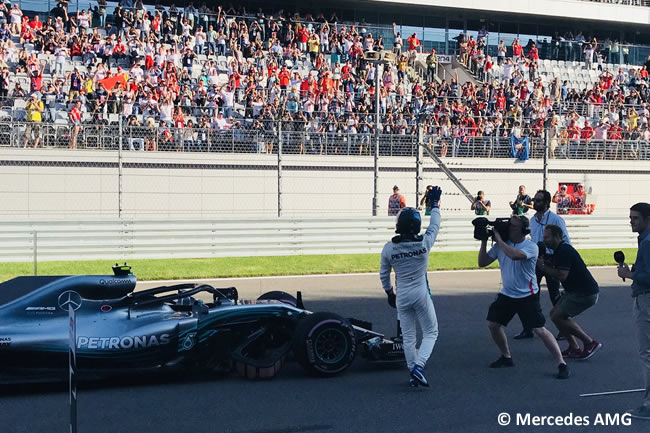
(161, 77)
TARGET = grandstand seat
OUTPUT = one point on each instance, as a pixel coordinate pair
(5, 134)
(91, 137)
(62, 135)
(49, 136)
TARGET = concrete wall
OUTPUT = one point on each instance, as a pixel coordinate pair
(73, 184)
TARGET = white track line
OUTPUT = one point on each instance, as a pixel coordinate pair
(360, 274)
(625, 391)
(275, 277)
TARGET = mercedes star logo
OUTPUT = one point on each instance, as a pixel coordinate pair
(69, 298)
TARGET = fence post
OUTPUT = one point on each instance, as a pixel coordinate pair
(375, 172)
(546, 147)
(418, 164)
(35, 253)
(119, 168)
(279, 168)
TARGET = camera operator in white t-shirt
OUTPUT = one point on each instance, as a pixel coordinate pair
(517, 258)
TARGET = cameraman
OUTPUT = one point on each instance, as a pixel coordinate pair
(522, 202)
(517, 258)
(580, 292)
(480, 205)
(408, 254)
(542, 218)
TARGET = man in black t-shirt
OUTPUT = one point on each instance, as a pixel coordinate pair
(580, 292)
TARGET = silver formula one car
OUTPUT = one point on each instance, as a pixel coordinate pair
(120, 331)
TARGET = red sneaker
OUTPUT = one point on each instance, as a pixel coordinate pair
(570, 353)
(590, 349)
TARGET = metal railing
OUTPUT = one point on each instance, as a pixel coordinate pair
(115, 239)
(298, 137)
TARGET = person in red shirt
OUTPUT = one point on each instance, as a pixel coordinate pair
(75, 119)
(36, 77)
(284, 77)
(501, 101)
(523, 91)
(119, 51)
(573, 133)
(235, 79)
(304, 87)
(155, 24)
(345, 71)
(644, 72)
(303, 37)
(586, 135)
(36, 23)
(414, 42)
(27, 34)
(488, 66)
(517, 49)
(606, 80)
(179, 118)
(533, 53)
(326, 83)
(614, 133)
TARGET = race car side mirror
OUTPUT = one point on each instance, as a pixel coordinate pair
(121, 270)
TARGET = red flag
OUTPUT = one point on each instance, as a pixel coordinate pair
(118, 79)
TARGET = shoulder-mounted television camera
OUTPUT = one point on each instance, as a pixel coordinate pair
(484, 228)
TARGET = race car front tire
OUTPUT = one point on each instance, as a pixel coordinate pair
(324, 344)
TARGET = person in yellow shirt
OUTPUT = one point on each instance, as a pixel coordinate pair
(34, 109)
(632, 119)
(89, 85)
(314, 45)
(401, 67)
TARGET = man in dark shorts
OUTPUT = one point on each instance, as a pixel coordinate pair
(580, 292)
(517, 258)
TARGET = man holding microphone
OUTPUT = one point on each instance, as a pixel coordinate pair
(640, 276)
(408, 254)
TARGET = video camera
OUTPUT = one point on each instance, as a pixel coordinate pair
(484, 228)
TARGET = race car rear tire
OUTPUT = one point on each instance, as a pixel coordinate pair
(279, 295)
(324, 344)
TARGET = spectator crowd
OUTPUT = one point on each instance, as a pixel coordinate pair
(186, 73)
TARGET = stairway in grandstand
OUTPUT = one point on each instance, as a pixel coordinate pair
(446, 71)
(419, 69)
(452, 177)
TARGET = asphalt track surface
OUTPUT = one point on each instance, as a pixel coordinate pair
(465, 395)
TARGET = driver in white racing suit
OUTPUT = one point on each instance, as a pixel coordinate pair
(408, 254)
